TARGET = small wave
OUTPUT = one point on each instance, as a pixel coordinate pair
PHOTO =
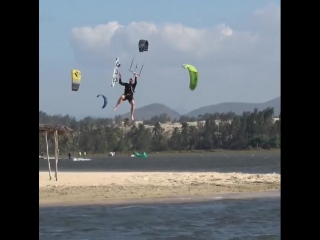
(50, 158)
(81, 159)
(41, 157)
(124, 207)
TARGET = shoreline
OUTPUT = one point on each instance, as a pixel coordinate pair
(184, 153)
(164, 200)
(132, 187)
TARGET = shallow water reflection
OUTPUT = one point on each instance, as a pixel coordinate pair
(221, 219)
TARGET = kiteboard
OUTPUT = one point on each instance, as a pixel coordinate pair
(115, 72)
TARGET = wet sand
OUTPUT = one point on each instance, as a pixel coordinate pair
(119, 187)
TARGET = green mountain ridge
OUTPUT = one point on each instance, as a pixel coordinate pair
(236, 107)
(154, 109)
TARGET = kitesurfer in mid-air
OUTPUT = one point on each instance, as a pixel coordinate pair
(128, 93)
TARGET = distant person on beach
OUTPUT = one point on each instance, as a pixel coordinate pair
(69, 155)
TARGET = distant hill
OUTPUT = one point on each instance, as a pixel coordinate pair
(236, 107)
(181, 110)
(152, 110)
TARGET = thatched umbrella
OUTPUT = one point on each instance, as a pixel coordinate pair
(45, 129)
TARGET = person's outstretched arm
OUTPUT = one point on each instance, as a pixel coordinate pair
(120, 80)
(135, 80)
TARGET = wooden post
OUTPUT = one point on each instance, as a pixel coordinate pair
(46, 136)
(56, 153)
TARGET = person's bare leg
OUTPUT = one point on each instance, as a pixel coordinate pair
(132, 109)
(119, 102)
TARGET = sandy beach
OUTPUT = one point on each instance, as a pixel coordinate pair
(113, 187)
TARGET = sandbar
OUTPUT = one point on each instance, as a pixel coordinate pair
(78, 188)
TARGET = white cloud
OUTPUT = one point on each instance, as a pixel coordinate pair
(233, 65)
(271, 12)
(175, 41)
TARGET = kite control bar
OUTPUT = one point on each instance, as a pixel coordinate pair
(135, 71)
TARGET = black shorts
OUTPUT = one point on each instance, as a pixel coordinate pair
(128, 97)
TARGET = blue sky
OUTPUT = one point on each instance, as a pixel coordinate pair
(238, 58)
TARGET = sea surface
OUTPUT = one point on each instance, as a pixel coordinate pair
(266, 162)
(256, 218)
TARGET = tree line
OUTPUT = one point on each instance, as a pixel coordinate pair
(256, 129)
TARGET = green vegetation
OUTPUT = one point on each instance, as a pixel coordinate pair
(251, 130)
